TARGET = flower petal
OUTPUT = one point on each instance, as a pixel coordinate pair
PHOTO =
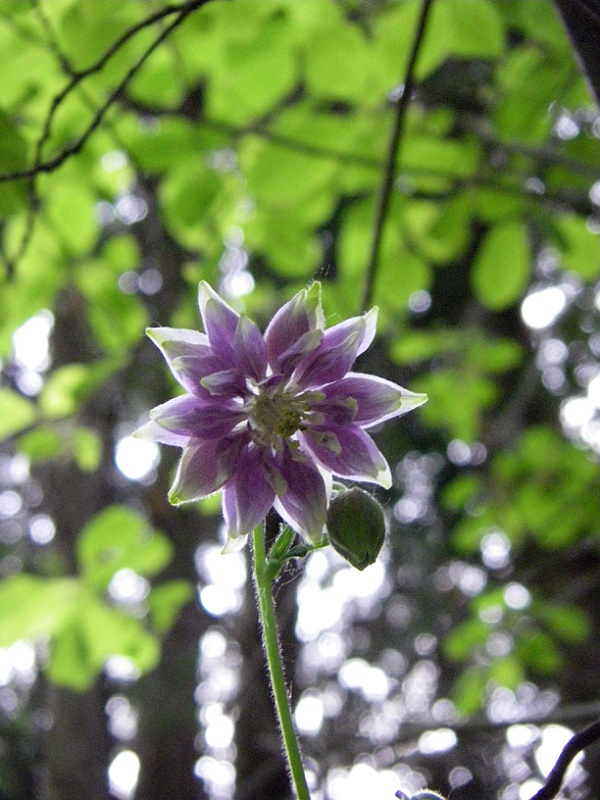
(347, 451)
(228, 383)
(175, 342)
(250, 349)
(334, 356)
(220, 320)
(304, 504)
(376, 398)
(187, 415)
(203, 469)
(302, 314)
(153, 432)
(178, 345)
(370, 320)
(247, 497)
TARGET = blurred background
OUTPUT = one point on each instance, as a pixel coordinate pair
(145, 146)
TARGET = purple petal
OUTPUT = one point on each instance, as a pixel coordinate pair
(192, 370)
(228, 383)
(189, 416)
(203, 469)
(299, 316)
(175, 342)
(304, 504)
(178, 345)
(248, 496)
(306, 344)
(153, 432)
(370, 319)
(376, 399)
(220, 320)
(333, 357)
(347, 451)
(250, 349)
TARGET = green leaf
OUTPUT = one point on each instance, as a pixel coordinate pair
(96, 632)
(569, 623)
(457, 401)
(41, 444)
(507, 672)
(121, 253)
(70, 209)
(283, 177)
(69, 386)
(338, 63)
(120, 538)
(460, 491)
(580, 248)
(538, 651)
(414, 346)
(166, 601)
(87, 449)
(502, 266)
(32, 607)
(16, 413)
(260, 70)
(188, 196)
(398, 277)
(465, 638)
(468, 691)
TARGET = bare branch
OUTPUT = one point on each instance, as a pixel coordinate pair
(39, 166)
(392, 155)
(575, 745)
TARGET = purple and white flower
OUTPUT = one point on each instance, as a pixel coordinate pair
(269, 419)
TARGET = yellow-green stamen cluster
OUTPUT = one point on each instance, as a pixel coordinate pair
(275, 416)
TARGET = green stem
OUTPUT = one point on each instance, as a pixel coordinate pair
(268, 624)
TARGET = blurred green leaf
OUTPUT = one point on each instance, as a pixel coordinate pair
(538, 651)
(468, 691)
(502, 266)
(16, 413)
(79, 651)
(120, 538)
(34, 607)
(87, 449)
(69, 386)
(569, 623)
(41, 444)
(580, 248)
(465, 638)
(457, 401)
(166, 601)
(507, 672)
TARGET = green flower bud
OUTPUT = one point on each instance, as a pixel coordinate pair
(356, 527)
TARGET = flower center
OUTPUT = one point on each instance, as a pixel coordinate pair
(275, 416)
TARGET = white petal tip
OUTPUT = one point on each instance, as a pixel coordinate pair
(234, 544)
(411, 400)
(146, 432)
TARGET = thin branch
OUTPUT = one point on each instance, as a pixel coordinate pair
(392, 155)
(574, 746)
(39, 166)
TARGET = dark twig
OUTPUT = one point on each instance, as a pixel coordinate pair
(392, 155)
(575, 745)
(40, 166)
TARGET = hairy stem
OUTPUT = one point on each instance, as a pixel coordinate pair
(266, 610)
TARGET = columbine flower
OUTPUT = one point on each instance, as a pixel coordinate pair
(269, 419)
